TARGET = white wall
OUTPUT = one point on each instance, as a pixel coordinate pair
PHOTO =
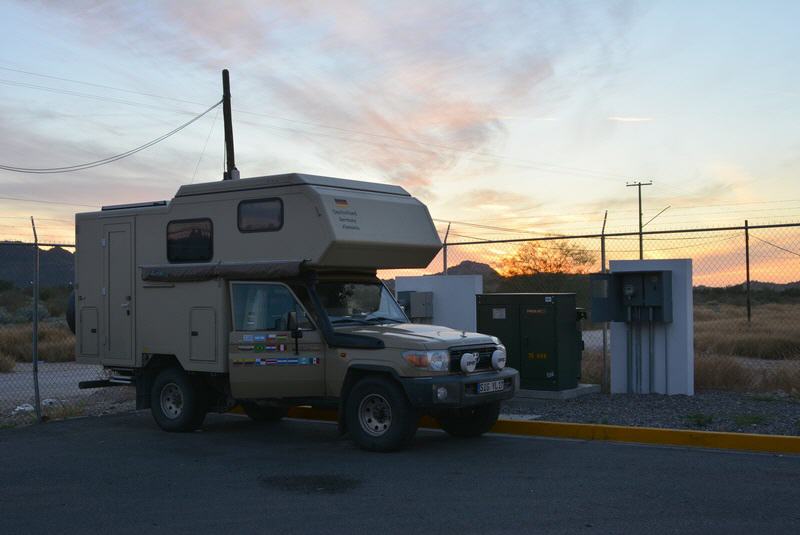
(453, 297)
(674, 342)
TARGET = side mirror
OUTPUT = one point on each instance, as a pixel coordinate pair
(291, 321)
(294, 329)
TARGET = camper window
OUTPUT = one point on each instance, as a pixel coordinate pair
(190, 240)
(261, 215)
(264, 306)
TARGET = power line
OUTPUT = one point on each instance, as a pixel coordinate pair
(205, 145)
(110, 159)
(542, 166)
(22, 199)
(87, 95)
(775, 245)
(102, 86)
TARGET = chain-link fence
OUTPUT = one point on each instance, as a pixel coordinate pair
(746, 292)
(58, 373)
(746, 305)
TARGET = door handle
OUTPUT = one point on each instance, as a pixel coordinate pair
(195, 333)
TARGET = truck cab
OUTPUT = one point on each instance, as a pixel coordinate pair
(265, 293)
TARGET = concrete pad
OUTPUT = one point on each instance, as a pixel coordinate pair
(581, 390)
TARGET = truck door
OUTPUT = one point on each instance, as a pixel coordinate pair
(263, 360)
(117, 293)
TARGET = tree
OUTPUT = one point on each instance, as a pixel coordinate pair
(560, 256)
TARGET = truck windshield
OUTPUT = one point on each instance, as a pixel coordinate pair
(357, 302)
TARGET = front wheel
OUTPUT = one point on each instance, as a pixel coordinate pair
(470, 422)
(177, 401)
(379, 416)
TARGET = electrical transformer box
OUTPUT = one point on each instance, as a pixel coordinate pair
(541, 333)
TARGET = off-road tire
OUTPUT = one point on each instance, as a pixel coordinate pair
(263, 413)
(187, 414)
(365, 409)
(471, 421)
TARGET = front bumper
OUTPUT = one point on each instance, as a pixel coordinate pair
(461, 389)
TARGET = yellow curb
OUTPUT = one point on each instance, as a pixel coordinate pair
(614, 433)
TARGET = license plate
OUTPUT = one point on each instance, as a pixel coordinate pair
(491, 386)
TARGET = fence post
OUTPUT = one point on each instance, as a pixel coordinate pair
(35, 341)
(605, 383)
(444, 250)
(747, 265)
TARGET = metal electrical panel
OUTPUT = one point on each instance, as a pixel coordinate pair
(625, 296)
(417, 305)
(641, 300)
(421, 305)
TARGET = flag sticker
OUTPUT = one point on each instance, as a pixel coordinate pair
(285, 361)
(341, 202)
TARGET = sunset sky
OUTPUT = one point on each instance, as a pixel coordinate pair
(526, 117)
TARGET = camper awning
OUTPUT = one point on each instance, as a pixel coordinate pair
(276, 269)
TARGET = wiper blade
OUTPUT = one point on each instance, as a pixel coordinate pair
(384, 318)
(350, 320)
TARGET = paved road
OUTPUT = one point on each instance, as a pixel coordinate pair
(120, 474)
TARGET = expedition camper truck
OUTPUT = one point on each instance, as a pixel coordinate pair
(263, 292)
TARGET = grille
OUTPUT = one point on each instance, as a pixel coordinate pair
(484, 359)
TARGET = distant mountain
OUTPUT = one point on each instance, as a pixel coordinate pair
(468, 267)
(56, 266)
(491, 278)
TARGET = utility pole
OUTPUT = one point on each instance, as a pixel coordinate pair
(231, 173)
(641, 237)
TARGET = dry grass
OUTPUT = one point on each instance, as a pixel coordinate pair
(56, 342)
(715, 372)
(722, 372)
(61, 411)
(592, 367)
(712, 372)
(724, 330)
(6, 364)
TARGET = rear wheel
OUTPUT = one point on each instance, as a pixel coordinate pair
(263, 413)
(178, 401)
(379, 416)
(470, 422)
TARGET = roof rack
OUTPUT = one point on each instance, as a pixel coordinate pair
(134, 205)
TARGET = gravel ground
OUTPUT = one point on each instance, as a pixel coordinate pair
(708, 411)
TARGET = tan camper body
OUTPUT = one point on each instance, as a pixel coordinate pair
(263, 292)
(325, 222)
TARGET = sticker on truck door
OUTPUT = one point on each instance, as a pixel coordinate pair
(287, 361)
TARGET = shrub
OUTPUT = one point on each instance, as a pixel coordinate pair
(56, 342)
(6, 364)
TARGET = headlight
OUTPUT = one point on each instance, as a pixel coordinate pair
(437, 361)
(499, 358)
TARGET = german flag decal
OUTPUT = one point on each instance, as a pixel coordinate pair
(341, 203)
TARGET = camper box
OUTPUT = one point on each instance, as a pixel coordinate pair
(150, 278)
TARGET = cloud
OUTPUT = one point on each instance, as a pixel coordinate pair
(629, 119)
(410, 91)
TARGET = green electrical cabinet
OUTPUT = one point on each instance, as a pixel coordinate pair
(541, 333)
